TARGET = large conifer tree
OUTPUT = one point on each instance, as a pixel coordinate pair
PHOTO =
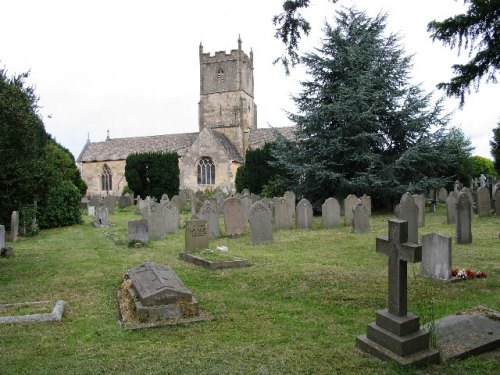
(361, 126)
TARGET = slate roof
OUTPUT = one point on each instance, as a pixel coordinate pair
(228, 146)
(259, 137)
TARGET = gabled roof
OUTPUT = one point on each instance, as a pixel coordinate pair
(228, 146)
(259, 137)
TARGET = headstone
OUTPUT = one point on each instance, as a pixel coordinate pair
(110, 201)
(234, 223)
(436, 256)
(2, 236)
(123, 202)
(101, 217)
(139, 208)
(94, 201)
(261, 229)
(396, 334)
(497, 202)
(157, 223)
(408, 211)
(158, 293)
(290, 199)
(463, 223)
(330, 213)
(282, 214)
(471, 200)
(360, 221)
(177, 202)
(208, 213)
(366, 201)
(171, 215)
(138, 231)
(304, 214)
(164, 198)
(451, 208)
(14, 226)
(196, 236)
(442, 195)
(419, 200)
(91, 211)
(245, 193)
(247, 202)
(483, 202)
(349, 203)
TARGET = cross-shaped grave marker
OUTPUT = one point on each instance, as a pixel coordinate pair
(399, 252)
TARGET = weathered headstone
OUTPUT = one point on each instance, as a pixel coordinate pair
(282, 214)
(261, 229)
(451, 208)
(101, 217)
(157, 223)
(14, 226)
(245, 193)
(408, 211)
(497, 202)
(164, 198)
(436, 256)
(138, 231)
(91, 211)
(396, 334)
(2, 236)
(361, 219)
(123, 202)
(471, 200)
(234, 223)
(247, 202)
(483, 202)
(463, 223)
(110, 201)
(177, 202)
(442, 195)
(94, 201)
(304, 214)
(171, 215)
(160, 294)
(349, 203)
(290, 198)
(419, 200)
(208, 213)
(366, 201)
(196, 236)
(330, 213)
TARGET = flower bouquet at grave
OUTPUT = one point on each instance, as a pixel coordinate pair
(467, 273)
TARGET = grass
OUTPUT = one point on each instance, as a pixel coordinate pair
(296, 310)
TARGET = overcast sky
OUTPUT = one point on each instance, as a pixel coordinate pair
(132, 66)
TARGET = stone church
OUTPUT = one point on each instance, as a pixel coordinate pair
(208, 159)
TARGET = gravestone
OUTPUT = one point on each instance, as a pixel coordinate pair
(451, 208)
(208, 213)
(419, 200)
(196, 235)
(436, 256)
(159, 293)
(164, 198)
(214, 203)
(483, 202)
(123, 202)
(282, 215)
(497, 202)
(290, 198)
(101, 217)
(360, 220)
(463, 219)
(304, 214)
(366, 201)
(2, 236)
(349, 203)
(139, 206)
(471, 200)
(157, 223)
(395, 334)
(330, 213)
(442, 195)
(246, 202)
(171, 215)
(14, 226)
(94, 201)
(259, 219)
(245, 193)
(408, 211)
(234, 224)
(138, 231)
(177, 202)
(91, 211)
(109, 201)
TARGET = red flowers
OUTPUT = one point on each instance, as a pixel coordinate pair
(467, 273)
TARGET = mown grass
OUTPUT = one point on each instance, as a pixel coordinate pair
(296, 310)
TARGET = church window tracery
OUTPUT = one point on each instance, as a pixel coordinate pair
(206, 171)
(106, 179)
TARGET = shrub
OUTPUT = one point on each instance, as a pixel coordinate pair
(61, 208)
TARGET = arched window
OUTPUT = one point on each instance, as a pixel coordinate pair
(106, 179)
(206, 171)
(220, 75)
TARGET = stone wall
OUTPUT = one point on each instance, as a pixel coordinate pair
(91, 174)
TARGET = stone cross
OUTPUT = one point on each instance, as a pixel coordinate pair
(399, 252)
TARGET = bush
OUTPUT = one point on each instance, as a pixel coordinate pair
(61, 208)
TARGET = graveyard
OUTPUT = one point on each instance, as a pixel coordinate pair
(296, 308)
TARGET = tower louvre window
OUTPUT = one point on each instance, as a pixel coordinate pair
(106, 178)
(206, 171)
(220, 75)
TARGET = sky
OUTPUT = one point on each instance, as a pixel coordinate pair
(132, 67)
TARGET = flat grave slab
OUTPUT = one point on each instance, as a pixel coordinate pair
(54, 316)
(215, 265)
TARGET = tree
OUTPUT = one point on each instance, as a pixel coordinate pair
(361, 127)
(482, 165)
(478, 31)
(495, 148)
(153, 173)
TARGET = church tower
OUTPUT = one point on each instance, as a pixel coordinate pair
(226, 95)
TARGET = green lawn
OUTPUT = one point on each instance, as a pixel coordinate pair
(296, 310)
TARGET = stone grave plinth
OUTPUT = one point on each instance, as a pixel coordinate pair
(396, 334)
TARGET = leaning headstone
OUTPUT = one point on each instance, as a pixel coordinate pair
(330, 213)
(442, 195)
(463, 223)
(349, 203)
(234, 223)
(208, 213)
(157, 223)
(2, 236)
(304, 214)
(396, 334)
(261, 229)
(408, 211)
(14, 226)
(196, 235)
(123, 202)
(282, 214)
(451, 208)
(171, 215)
(483, 202)
(497, 202)
(138, 231)
(110, 201)
(436, 256)
(101, 217)
(366, 201)
(360, 220)
(419, 200)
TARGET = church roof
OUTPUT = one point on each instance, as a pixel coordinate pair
(231, 151)
(259, 137)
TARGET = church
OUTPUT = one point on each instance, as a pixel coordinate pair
(227, 116)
